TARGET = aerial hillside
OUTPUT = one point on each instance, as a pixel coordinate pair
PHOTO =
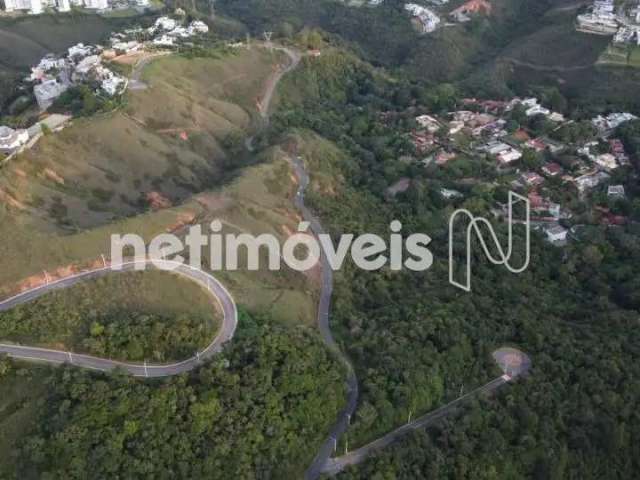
(171, 140)
(129, 172)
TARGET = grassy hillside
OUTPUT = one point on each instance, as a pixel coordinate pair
(171, 141)
(63, 199)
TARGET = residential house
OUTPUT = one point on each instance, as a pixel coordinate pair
(507, 156)
(611, 121)
(588, 181)
(494, 147)
(427, 19)
(606, 161)
(429, 123)
(552, 169)
(47, 91)
(11, 140)
(34, 7)
(449, 194)
(532, 179)
(556, 234)
(615, 191)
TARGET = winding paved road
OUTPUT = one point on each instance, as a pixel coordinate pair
(342, 423)
(209, 282)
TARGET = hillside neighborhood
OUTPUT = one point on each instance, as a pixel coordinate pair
(88, 65)
(521, 138)
(37, 7)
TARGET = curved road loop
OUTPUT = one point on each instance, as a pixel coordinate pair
(209, 282)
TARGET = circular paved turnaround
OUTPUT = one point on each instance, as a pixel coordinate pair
(512, 361)
(213, 286)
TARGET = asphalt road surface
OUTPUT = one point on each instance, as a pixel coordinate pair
(342, 423)
(213, 286)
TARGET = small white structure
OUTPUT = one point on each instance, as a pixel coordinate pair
(556, 234)
(495, 147)
(34, 7)
(537, 110)
(510, 155)
(85, 66)
(615, 191)
(46, 65)
(126, 47)
(455, 126)
(79, 51)
(11, 140)
(197, 27)
(612, 121)
(165, 23)
(164, 41)
(449, 193)
(64, 6)
(588, 181)
(47, 92)
(607, 161)
(96, 4)
(427, 121)
(429, 21)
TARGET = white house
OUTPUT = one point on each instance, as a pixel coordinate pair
(448, 193)
(427, 121)
(429, 21)
(164, 41)
(556, 234)
(509, 155)
(113, 85)
(85, 66)
(47, 92)
(165, 23)
(34, 7)
(47, 64)
(197, 27)
(588, 181)
(11, 140)
(607, 161)
(494, 147)
(79, 51)
(615, 191)
(537, 110)
(96, 4)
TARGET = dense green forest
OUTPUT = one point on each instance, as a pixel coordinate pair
(257, 411)
(153, 316)
(417, 342)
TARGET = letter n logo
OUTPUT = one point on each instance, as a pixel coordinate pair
(503, 258)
